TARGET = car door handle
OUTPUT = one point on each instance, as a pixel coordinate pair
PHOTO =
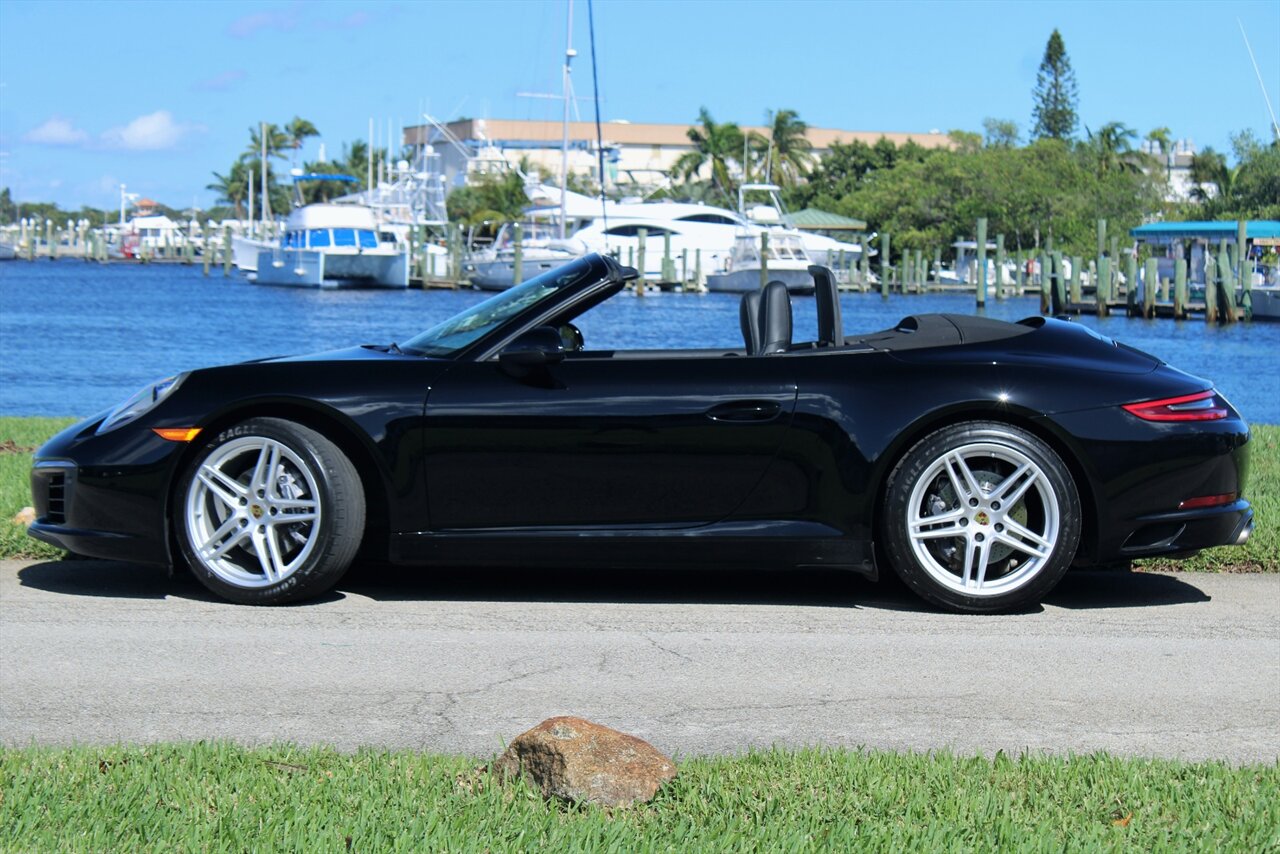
(745, 410)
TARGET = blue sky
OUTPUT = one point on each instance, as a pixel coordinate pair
(159, 95)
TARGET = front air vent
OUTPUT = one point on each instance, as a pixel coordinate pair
(57, 512)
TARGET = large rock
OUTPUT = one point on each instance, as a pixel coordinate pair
(578, 760)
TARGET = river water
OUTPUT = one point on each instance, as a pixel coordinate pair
(77, 337)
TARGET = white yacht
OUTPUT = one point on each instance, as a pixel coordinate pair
(332, 246)
(541, 249)
(785, 261)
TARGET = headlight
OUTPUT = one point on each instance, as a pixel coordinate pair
(140, 403)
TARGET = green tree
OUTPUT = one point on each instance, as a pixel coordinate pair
(298, 131)
(716, 145)
(494, 199)
(786, 154)
(1162, 137)
(232, 188)
(1210, 174)
(1053, 115)
(1250, 190)
(1111, 145)
(8, 210)
(276, 139)
(999, 133)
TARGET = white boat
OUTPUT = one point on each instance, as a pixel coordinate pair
(7, 252)
(964, 272)
(700, 236)
(786, 261)
(541, 249)
(245, 249)
(1265, 300)
(332, 246)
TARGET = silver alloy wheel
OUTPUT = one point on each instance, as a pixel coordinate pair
(983, 519)
(253, 512)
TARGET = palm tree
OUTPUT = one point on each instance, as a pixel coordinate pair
(787, 153)
(1163, 138)
(298, 130)
(1210, 167)
(355, 161)
(232, 188)
(716, 145)
(1111, 144)
(277, 141)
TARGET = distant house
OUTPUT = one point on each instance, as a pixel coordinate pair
(635, 154)
(1176, 165)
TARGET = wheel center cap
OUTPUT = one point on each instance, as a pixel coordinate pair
(982, 518)
(256, 510)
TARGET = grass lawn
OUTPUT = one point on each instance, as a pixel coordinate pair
(219, 797)
(19, 436)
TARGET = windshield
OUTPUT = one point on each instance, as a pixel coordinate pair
(461, 330)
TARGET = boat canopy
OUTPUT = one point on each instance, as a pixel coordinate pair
(1166, 232)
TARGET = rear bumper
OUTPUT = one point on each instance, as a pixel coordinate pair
(1189, 530)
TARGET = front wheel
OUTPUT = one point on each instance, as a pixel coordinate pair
(270, 511)
(981, 517)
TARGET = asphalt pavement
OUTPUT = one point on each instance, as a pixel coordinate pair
(708, 662)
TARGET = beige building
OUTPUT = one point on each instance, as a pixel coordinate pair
(637, 154)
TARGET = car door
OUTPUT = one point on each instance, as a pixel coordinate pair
(603, 442)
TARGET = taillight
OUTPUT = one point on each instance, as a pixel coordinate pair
(1201, 406)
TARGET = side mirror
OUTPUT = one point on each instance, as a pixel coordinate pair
(539, 346)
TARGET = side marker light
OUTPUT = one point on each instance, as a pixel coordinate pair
(176, 434)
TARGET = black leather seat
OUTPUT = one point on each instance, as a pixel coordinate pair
(775, 319)
(749, 316)
(827, 297)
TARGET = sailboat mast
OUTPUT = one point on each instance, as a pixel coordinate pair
(1275, 128)
(569, 54)
(266, 207)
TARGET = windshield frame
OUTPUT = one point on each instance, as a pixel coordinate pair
(512, 311)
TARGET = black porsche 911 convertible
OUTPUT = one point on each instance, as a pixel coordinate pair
(976, 458)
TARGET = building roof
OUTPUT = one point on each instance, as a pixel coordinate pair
(812, 218)
(1162, 232)
(499, 131)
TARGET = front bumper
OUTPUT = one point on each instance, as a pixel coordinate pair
(104, 496)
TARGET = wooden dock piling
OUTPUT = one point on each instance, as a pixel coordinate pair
(884, 265)
(1150, 277)
(1102, 289)
(642, 240)
(517, 259)
(1180, 289)
(981, 282)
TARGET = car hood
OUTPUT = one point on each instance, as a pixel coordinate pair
(363, 353)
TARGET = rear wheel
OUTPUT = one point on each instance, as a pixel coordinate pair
(271, 511)
(981, 517)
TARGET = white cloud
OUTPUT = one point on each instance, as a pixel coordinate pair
(152, 132)
(56, 131)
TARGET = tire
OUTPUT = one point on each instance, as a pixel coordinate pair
(269, 511)
(952, 533)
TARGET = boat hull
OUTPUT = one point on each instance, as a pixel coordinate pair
(308, 268)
